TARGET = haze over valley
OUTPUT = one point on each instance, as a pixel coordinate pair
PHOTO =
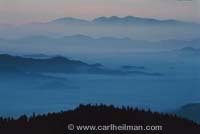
(135, 61)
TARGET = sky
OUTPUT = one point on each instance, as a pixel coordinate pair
(27, 11)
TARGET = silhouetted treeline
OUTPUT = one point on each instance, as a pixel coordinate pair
(56, 123)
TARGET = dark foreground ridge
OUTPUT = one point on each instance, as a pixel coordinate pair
(58, 123)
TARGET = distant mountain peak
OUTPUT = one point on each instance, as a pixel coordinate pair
(69, 20)
(78, 36)
(189, 49)
(120, 20)
(133, 20)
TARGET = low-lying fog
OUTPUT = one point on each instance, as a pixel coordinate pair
(48, 92)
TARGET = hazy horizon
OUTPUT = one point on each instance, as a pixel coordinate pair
(22, 11)
(95, 17)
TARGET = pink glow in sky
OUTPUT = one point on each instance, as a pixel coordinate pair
(25, 11)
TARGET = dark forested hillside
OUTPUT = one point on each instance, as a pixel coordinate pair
(57, 123)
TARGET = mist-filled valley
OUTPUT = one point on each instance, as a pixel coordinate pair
(139, 62)
(162, 81)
